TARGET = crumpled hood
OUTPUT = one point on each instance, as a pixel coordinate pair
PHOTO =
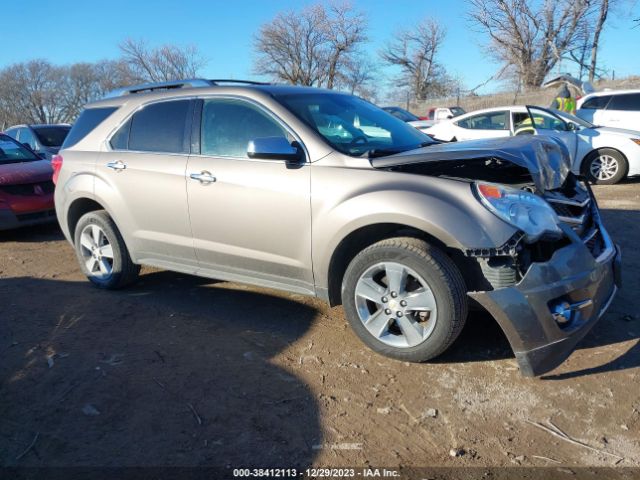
(25, 172)
(546, 158)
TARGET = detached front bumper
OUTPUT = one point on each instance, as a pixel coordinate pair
(556, 303)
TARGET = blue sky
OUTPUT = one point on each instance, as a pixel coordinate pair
(67, 31)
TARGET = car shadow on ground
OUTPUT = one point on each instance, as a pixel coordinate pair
(47, 232)
(174, 371)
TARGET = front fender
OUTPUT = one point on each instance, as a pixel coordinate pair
(444, 209)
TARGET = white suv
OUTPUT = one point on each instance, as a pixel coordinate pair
(614, 108)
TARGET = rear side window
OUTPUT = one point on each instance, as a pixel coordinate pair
(596, 103)
(625, 101)
(160, 127)
(89, 119)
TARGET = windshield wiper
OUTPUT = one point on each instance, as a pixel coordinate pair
(383, 152)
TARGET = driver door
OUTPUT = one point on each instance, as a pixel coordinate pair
(250, 218)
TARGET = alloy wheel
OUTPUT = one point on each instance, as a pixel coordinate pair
(395, 304)
(96, 251)
(604, 167)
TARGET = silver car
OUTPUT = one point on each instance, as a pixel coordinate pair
(322, 193)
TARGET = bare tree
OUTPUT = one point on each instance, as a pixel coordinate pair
(602, 18)
(530, 37)
(414, 51)
(357, 77)
(168, 62)
(345, 30)
(31, 92)
(311, 47)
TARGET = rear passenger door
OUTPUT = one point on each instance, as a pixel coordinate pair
(143, 174)
(251, 218)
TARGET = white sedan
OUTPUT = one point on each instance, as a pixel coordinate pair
(605, 155)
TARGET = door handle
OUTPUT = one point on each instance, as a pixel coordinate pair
(117, 166)
(203, 177)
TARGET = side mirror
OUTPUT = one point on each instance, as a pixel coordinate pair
(29, 146)
(274, 148)
(572, 127)
(449, 117)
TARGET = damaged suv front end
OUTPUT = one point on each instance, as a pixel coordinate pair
(556, 276)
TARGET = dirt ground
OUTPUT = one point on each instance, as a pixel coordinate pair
(184, 371)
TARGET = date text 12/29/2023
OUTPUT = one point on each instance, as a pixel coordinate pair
(313, 473)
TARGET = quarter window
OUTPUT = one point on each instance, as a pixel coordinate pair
(159, 127)
(228, 125)
(486, 121)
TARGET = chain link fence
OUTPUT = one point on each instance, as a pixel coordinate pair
(542, 97)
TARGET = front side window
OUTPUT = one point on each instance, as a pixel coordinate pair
(625, 101)
(546, 121)
(485, 121)
(160, 127)
(228, 125)
(353, 126)
(25, 136)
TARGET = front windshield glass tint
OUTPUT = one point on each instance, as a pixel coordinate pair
(12, 152)
(352, 125)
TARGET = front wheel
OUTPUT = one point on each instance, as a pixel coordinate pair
(405, 299)
(605, 166)
(102, 253)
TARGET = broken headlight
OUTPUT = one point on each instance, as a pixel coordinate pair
(524, 210)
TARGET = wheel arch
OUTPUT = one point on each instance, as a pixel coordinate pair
(367, 235)
(78, 208)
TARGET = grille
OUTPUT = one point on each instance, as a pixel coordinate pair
(28, 189)
(574, 207)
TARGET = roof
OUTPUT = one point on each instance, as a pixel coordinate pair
(600, 93)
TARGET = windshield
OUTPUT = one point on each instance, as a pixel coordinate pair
(573, 119)
(12, 152)
(354, 126)
(51, 136)
(457, 111)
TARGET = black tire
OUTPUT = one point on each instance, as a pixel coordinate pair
(623, 166)
(443, 278)
(123, 272)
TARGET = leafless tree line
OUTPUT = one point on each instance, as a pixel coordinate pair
(39, 92)
(527, 37)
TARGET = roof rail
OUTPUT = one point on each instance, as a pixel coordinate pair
(189, 83)
(150, 87)
(217, 81)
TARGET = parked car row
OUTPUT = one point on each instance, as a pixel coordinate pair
(605, 155)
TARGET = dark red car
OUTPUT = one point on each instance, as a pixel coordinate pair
(26, 188)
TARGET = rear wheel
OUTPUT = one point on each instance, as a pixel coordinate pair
(102, 253)
(405, 299)
(605, 166)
